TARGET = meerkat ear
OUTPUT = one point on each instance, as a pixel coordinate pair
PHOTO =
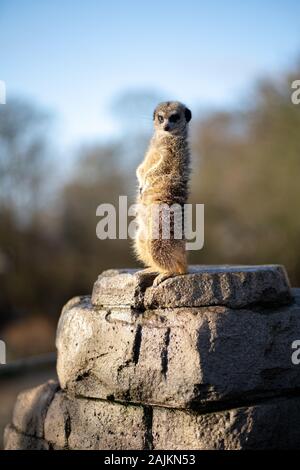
(188, 114)
(154, 113)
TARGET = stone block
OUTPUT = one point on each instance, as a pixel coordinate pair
(231, 286)
(181, 357)
(270, 425)
(15, 440)
(31, 408)
(78, 423)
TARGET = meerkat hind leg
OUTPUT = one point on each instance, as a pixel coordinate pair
(163, 277)
(160, 277)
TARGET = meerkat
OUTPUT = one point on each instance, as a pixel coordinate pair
(163, 179)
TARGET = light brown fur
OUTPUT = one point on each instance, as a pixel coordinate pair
(163, 178)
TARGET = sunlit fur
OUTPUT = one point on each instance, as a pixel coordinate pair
(163, 177)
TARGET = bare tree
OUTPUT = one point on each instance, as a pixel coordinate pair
(23, 158)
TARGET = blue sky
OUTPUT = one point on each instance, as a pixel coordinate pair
(74, 57)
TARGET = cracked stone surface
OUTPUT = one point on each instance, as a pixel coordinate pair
(182, 357)
(78, 423)
(27, 428)
(201, 361)
(231, 286)
(124, 287)
(88, 424)
(16, 440)
(273, 425)
(31, 407)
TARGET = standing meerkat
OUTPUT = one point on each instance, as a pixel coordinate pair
(163, 179)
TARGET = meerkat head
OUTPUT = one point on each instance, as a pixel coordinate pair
(171, 117)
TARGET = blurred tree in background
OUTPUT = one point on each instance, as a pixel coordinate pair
(23, 171)
(248, 181)
(246, 166)
(23, 159)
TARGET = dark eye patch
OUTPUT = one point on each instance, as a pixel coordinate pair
(174, 118)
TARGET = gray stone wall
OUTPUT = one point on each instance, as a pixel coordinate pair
(202, 361)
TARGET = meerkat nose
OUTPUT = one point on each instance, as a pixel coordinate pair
(166, 127)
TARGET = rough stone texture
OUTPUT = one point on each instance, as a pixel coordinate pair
(273, 425)
(121, 287)
(89, 424)
(232, 286)
(31, 408)
(181, 357)
(16, 440)
(79, 423)
(202, 361)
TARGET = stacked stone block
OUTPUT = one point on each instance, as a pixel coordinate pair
(201, 361)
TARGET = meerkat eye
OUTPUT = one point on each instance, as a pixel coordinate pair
(174, 118)
(160, 118)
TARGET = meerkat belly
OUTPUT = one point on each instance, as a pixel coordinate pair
(168, 190)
